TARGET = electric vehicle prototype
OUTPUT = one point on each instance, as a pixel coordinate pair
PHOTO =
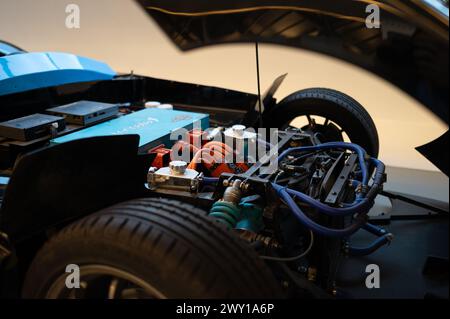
(162, 189)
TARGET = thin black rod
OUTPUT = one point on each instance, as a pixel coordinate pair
(259, 86)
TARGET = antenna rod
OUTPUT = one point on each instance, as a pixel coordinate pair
(259, 86)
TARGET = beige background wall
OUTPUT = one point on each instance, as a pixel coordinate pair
(117, 32)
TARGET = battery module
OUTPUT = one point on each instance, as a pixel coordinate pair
(154, 126)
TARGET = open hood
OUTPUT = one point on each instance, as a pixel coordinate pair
(410, 49)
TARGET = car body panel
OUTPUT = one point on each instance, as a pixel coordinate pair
(8, 48)
(29, 71)
(70, 180)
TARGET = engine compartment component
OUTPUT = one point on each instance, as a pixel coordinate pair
(300, 201)
(85, 112)
(175, 176)
(154, 126)
(292, 197)
(290, 194)
(31, 127)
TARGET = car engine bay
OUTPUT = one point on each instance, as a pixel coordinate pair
(291, 197)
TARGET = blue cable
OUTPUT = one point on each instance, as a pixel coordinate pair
(383, 238)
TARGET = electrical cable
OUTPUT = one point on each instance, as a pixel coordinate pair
(293, 258)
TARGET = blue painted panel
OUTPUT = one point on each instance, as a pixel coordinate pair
(6, 48)
(4, 180)
(29, 71)
(154, 126)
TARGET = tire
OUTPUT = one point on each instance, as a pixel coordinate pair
(334, 105)
(174, 247)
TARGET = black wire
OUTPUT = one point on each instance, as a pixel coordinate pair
(293, 258)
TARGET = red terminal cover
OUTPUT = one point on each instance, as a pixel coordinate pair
(197, 137)
(162, 156)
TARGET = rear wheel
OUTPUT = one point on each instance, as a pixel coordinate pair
(149, 248)
(330, 114)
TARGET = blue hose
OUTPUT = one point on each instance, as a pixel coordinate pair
(315, 227)
(357, 207)
(375, 245)
(383, 238)
(375, 230)
(360, 207)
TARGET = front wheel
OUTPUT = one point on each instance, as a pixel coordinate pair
(149, 248)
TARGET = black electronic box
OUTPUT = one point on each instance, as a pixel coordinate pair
(31, 127)
(85, 112)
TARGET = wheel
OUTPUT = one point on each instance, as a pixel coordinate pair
(332, 115)
(149, 248)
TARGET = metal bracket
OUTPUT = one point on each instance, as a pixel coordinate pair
(341, 180)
